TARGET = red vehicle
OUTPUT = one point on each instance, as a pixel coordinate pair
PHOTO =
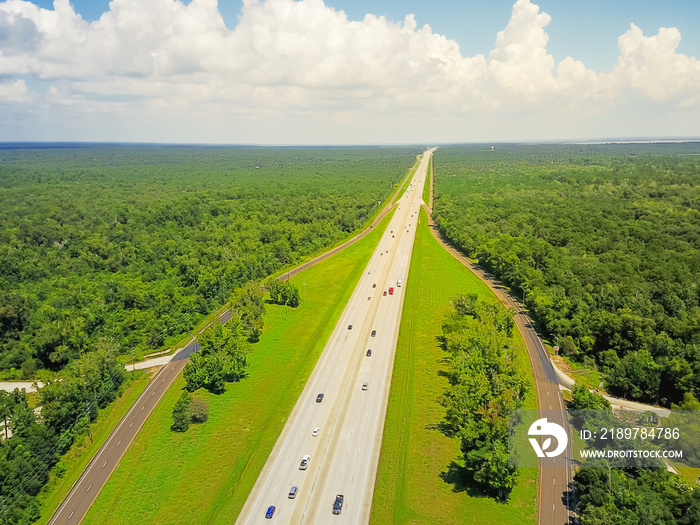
(391, 290)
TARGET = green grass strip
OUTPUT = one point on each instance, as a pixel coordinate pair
(426, 187)
(206, 474)
(418, 475)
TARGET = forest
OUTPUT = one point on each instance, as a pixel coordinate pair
(135, 244)
(603, 243)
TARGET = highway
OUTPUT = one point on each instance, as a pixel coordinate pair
(345, 454)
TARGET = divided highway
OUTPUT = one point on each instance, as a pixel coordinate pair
(355, 386)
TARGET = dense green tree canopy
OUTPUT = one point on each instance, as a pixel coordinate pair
(604, 241)
(138, 243)
(485, 387)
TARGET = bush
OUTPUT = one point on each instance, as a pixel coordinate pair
(199, 409)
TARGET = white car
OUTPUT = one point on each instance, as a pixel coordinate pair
(315, 432)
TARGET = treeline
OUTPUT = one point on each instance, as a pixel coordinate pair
(69, 403)
(223, 350)
(485, 386)
(604, 242)
(137, 244)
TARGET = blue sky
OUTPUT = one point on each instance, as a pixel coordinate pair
(279, 71)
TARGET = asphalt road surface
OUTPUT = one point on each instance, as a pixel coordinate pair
(350, 420)
(93, 478)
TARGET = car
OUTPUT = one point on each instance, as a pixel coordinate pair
(338, 504)
(374, 332)
(384, 292)
(304, 462)
(369, 298)
(387, 251)
(270, 512)
(364, 385)
(369, 352)
(349, 327)
(315, 432)
(374, 285)
(293, 492)
(319, 398)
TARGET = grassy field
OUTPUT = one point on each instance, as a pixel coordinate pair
(80, 454)
(418, 480)
(206, 474)
(426, 187)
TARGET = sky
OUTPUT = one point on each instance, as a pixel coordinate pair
(348, 71)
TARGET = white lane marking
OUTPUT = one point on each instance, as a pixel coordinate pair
(144, 406)
(105, 464)
(71, 515)
(153, 394)
(554, 481)
(132, 424)
(88, 489)
(120, 442)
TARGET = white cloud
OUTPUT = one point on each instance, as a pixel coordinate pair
(15, 92)
(652, 66)
(290, 59)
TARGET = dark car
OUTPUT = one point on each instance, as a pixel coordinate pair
(374, 285)
(338, 505)
(384, 292)
(319, 398)
(369, 353)
(349, 327)
(374, 332)
(270, 512)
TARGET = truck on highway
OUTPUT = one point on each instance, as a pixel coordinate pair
(399, 280)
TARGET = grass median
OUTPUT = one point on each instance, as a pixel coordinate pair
(418, 478)
(205, 474)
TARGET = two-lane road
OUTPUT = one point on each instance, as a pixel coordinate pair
(93, 478)
(345, 454)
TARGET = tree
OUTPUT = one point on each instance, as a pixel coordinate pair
(181, 413)
(584, 399)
